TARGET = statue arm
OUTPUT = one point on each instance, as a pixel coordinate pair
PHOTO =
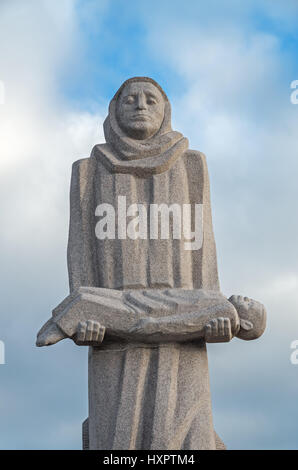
(160, 316)
(80, 259)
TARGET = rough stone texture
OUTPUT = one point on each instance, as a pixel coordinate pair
(146, 307)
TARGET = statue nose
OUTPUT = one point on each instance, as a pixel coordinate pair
(141, 102)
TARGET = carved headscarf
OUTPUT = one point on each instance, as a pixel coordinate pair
(154, 155)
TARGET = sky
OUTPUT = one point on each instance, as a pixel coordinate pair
(227, 67)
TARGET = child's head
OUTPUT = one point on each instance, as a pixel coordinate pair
(252, 316)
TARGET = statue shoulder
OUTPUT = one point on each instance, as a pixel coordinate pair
(83, 167)
(197, 159)
(82, 176)
(80, 163)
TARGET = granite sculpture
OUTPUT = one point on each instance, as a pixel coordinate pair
(144, 288)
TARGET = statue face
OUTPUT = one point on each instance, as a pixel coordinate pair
(140, 110)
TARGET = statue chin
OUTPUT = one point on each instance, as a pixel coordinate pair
(139, 130)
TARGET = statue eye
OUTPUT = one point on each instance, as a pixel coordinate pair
(151, 100)
(129, 100)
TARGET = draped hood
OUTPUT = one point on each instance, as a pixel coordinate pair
(123, 154)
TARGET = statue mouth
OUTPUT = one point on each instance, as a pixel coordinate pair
(141, 117)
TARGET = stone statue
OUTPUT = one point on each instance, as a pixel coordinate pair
(144, 294)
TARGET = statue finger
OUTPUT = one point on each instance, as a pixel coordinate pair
(101, 333)
(220, 323)
(81, 331)
(208, 332)
(95, 331)
(89, 330)
(214, 326)
(227, 328)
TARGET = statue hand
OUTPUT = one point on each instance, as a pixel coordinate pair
(89, 333)
(218, 331)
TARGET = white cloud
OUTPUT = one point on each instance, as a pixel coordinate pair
(40, 134)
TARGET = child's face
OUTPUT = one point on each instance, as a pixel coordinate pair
(249, 311)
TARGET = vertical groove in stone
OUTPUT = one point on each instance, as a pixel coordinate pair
(143, 189)
(149, 400)
(183, 428)
(166, 396)
(123, 187)
(170, 414)
(195, 196)
(137, 418)
(106, 253)
(129, 416)
(182, 259)
(161, 268)
(150, 185)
